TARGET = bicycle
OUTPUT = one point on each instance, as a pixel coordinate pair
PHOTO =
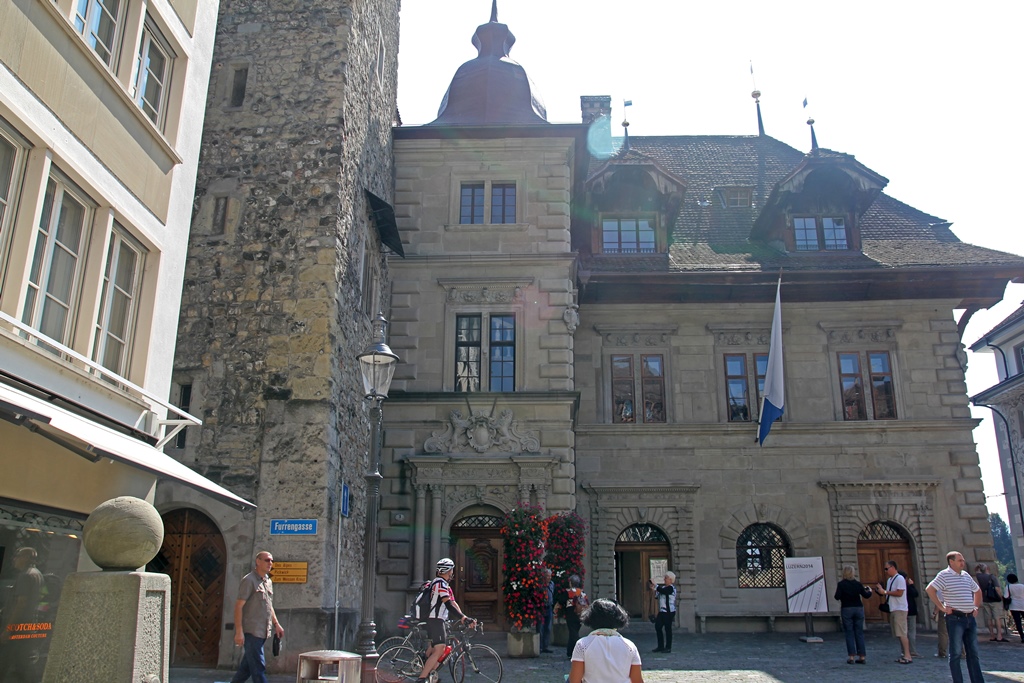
(416, 638)
(472, 661)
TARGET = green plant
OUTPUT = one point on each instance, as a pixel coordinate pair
(566, 542)
(523, 532)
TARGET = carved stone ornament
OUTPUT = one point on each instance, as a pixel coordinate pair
(476, 291)
(571, 318)
(482, 432)
(877, 332)
(636, 336)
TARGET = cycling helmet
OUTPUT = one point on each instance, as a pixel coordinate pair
(445, 565)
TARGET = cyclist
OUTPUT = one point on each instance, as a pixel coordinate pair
(442, 602)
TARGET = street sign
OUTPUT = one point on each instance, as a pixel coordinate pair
(344, 500)
(290, 572)
(293, 527)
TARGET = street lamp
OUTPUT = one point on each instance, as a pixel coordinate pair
(377, 365)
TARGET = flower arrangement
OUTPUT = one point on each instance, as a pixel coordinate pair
(523, 531)
(567, 537)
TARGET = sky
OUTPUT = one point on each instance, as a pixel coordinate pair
(926, 94)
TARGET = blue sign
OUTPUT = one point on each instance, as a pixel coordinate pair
(293, 527)
(344, 500)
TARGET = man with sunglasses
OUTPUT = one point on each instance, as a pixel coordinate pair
(255, 620)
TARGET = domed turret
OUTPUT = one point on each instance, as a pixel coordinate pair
(491, 89)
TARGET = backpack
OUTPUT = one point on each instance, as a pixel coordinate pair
(991, 593)
(420, 608)
(579, 601)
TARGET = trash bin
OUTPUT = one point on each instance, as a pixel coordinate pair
(329, 666)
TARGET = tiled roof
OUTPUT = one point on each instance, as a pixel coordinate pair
(710, 237)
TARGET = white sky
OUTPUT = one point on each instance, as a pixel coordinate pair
(927, 94)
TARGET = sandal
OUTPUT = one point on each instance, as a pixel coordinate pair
(862, 661)
(904, 660)
(849, 660)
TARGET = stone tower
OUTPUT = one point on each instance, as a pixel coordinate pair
(285, 272)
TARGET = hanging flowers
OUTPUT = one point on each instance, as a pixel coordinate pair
(523, 532)
(566, 541)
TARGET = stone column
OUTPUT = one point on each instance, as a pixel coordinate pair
(114, 625)
(418, 530)
(436, 491)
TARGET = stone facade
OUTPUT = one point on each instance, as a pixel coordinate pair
(285, 273)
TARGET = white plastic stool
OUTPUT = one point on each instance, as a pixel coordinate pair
(329, 666)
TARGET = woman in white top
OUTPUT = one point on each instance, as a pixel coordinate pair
(1015, 591)
(605, 656)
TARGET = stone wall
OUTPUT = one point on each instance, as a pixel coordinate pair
(276, 305)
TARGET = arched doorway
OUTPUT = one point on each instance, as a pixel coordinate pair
(476, 546)
(193, 556)
(642, 553)
(878, 543)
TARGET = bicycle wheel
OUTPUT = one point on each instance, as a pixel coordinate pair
(479, 663)
(398, 664)
(388, 643)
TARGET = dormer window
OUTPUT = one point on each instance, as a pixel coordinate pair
(629, 235)
(820, 233)
(735, 197)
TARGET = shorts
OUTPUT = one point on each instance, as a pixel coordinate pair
(898, 621)
(991, 611)
(437, 631)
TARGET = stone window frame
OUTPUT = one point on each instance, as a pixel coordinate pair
(486, 346)
(369, 270)
(863, 338)
(637, 340)
(489, 178)
(742, 517)
(734, 339)
(908, 503)
(228, 81)
(10, 204)
(470, 296)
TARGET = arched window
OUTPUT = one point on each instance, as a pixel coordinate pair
(643, 533)
(761, 552)
(880, 531)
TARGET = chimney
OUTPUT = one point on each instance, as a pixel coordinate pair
(595, 106)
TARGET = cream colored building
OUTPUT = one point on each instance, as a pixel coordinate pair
(101, 106)
(584, 325)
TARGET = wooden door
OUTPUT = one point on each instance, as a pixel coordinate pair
(633, 571)
(193, 556)
(479, 556)
(871, 559)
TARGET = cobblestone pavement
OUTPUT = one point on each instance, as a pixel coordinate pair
(746, 658)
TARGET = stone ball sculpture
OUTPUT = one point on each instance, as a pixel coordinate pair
(123, 534)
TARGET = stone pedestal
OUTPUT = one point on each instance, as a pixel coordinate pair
(112, 626)
(524, 644)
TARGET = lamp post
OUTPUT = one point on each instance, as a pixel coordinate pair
(377, 364)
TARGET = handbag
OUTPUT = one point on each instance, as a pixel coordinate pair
(276, 647)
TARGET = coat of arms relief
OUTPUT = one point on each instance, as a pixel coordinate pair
(483, 432)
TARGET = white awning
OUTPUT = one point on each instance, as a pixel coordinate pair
(41, 415)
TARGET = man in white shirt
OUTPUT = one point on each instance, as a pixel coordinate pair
(896, 592)
(961, 597)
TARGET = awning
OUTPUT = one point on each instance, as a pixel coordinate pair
(387, 224)
(43, 416)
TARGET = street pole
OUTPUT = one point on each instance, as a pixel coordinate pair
(365, 645)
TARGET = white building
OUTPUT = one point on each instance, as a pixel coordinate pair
(101, 110)
(1006, 400)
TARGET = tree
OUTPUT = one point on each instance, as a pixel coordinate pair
(1003, 544)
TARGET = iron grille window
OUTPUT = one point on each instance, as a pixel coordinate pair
(643, 533)
(880, 531)
(478, 522)
(761, 552)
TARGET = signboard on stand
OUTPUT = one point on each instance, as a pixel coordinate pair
(805, 591)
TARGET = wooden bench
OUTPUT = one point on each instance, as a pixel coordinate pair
(771, 615)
